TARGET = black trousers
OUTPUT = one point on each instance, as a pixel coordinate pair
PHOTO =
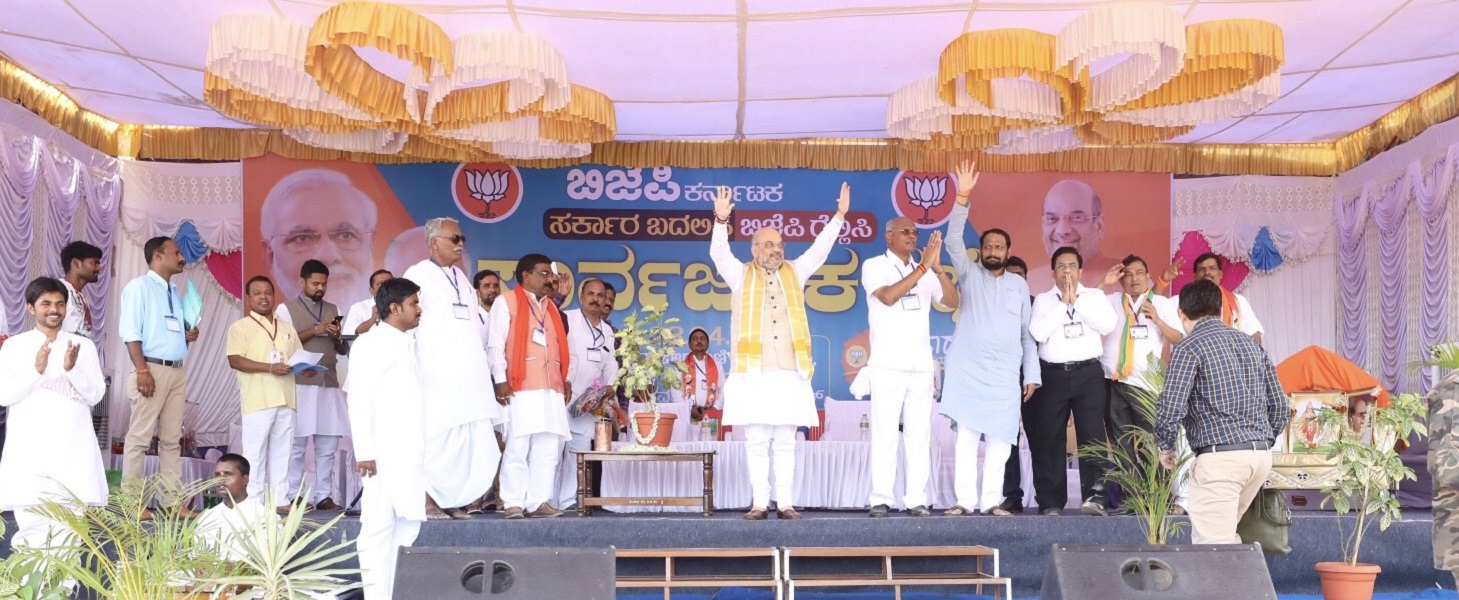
(1080, 391)
(1013, 479)
(1121, 412)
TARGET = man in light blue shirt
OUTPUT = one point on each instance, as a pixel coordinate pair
(152, 327)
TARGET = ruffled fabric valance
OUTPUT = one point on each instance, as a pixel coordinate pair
(162, 196)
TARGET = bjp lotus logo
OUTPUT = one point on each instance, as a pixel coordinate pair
(487, 192)
(926, 198)
(854, 354)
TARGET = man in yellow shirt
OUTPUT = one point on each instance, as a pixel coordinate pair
(259, 347)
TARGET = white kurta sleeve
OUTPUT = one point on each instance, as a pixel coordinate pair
(1093, 308)
(1166, 310)
(808, 263)
(730, 269)
(281, 313)
(1032, 374)
(498, 324)
(17, 369)
(364, 388)
(957, 249)
(85, 375)
(1250, 325)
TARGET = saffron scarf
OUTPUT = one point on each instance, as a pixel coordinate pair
(711, 376)
(1126, 367)
(523, 321)
(748, 346)
(1230, 313)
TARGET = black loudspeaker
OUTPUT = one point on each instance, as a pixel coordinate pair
(504, 573)
(1207, 572)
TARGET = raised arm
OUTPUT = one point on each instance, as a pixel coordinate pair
(958, 221)
(808, 263)
(730, 269)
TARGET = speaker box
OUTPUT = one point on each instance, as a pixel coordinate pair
(504, 573)
(1110, 572)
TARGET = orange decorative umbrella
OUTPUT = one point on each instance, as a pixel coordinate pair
(1317, 369)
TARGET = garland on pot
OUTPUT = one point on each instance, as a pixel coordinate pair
(647, 346)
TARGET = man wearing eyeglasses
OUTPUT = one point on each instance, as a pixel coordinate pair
(319, 214)
(461, 452)
(768, 392)
(1073, 216)
(1068, 322)
(590, 347)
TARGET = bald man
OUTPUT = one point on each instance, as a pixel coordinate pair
(768, 392)
(319, 214)
(1073, 216)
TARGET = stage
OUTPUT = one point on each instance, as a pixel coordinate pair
(1404, 551)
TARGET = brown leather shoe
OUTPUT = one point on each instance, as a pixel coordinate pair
(757, 514)
(545, 511)
(515, 512)
(326, 504)
(284, 510)
(788, 513)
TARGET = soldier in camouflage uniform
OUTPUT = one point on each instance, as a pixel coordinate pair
(1443, 424)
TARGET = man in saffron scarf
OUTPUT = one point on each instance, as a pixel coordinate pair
(703, 378)
(1236, 311)
(768, 392)
(528, 352)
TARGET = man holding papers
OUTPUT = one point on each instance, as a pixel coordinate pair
(258, 348)
(323, 417)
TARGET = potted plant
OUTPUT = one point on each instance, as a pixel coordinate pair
(647, 347)
(1146, 487)
(1369, 475)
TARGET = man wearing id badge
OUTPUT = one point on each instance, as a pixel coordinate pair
(156, 337)
(322, 415)
(1067, 323)
(590, 348)
(898, 374)
(259, 345)
(530, 360)
(461, 455)
(1144, 323)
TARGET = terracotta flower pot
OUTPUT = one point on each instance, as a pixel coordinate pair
(645, 424)
(1342, 582)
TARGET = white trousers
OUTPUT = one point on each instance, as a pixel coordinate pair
(268, 435)
(567, 478)
(35, 531)
(529, 470)
(978, 489)
(326, 448)
(760, 441)
(382, 534)
(903, 397)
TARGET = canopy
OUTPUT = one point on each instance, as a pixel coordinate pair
(1317, 369)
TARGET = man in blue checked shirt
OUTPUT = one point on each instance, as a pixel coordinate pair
(1223, 388)
(156, 338)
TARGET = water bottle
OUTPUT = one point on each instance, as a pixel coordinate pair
(865, 428)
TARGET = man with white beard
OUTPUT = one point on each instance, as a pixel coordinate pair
(590, 347)
(388, 410)
(52, 379)
(461, 452)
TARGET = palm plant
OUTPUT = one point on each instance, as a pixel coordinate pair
(25, 576)
(1369, 472)
(284, 557)
(1147, 488)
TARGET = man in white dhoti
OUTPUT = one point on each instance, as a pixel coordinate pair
(991, 346)
(899, 297)
(529, 355)
(591, 363)
(461, 452)
(52, 379)
(388, 410)
(361, 316)
(768, 392)
(323, 417)
(81, 264)
(259, 347)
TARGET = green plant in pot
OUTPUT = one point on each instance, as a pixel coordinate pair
(1369, 473)
(1146, 487)
(648, 346)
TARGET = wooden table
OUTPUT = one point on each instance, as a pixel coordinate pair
(586, 500)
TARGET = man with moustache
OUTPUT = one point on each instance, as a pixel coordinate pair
(361, 316)
(81, 264)
(52, 379)
(1236, 310)
(237, 515)
(899, 373)
(768, 392)
(151, 326)
(259, 347)
(319, 214)
(703, 378)
(1068, 322)
(991, 364)
(592, 363)
(488, 286)
(530, 360)
(461, 451)
(323, 417)
(1073, 216)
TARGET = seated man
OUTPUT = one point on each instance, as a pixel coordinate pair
(218, 526)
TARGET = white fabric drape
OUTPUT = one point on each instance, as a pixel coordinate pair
(160, 196)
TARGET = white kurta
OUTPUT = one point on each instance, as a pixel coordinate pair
(50, 446)
(359, 312)
(320, 410)
(592, 361)
(220, 526)
(769, 397)
(387, 410)
(458, 388)
(1246, 321)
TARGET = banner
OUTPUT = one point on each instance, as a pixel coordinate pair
(646, 231)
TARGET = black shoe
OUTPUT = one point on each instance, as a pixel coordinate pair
(880, 510)
(1094, 506)
(919, 511)
(1122, 511)
(1012, 505)
(1051, 512)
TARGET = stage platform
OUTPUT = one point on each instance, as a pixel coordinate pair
(1404, 551)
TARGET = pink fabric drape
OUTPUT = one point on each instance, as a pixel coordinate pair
(227, 270)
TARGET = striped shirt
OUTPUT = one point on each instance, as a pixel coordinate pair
(1222, 387)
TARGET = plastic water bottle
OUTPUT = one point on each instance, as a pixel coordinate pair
(865, 428)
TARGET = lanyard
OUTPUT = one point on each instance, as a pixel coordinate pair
(271, 334)
(1069, 309)
(897, 264)
(451, 277)
(167, 291)
(598, 337)
(1135, 308)
(318, 318)
(542, 320)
